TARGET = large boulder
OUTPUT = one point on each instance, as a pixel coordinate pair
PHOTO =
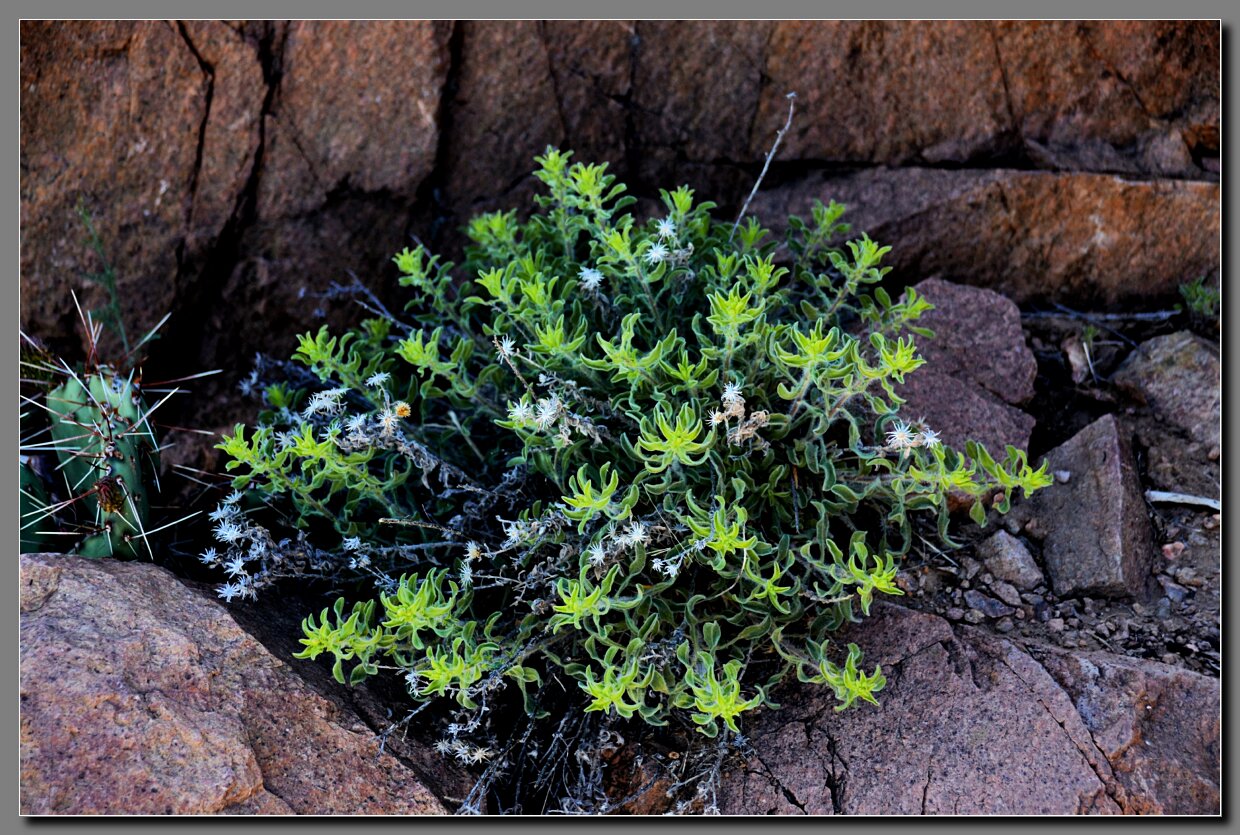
(1180, 378)
(978, 368)
(141, 696)
(1083, 238)
(971, 723)
(1096, 535)
(1103, 96)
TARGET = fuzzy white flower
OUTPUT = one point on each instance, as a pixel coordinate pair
(444, 746)
(521, 414)
(901, 436)
(209, 556)
(507, 346)
(597, 555)
(717, 417)
(473, 551)
(230, 590)
(591, 279)
(388, 421)
(222, 512)
(930, 439)
(228, 531)
(352, 543)
(657, 254)
(548, 411)
(667, 229)
(466, 574)
(233, 497)
(732, 394)
(637, 534)
(667, 568)
(235, 566)
(326, 402)
(376, 380)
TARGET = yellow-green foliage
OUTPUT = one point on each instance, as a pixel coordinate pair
(668, 456)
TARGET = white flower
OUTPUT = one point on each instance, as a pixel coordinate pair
(930, 439)
(480, 755)
(235, 566)
(230, 590)
(388, 421)
(233, 497)
(591, 279)
(246, 385)
(732, 394)
(352, 543)
(326, 402)
(901, 436)
(548, 411)
(467, 574)
(222, 512)
(667, 568)
(355, 424)
(667, 229)
(656, 254)
(209, 556)
(637, 534)
(473, 551)
(717, 417)
(444, 746)
(360, 561)
(376, 380)
(521, 414)
(507, 346)
(597, 555)
(228, 531)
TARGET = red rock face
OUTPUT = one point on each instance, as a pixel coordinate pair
(238, 163)
(139, 696)
(971, 723)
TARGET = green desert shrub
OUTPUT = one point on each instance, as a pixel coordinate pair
(657, 461)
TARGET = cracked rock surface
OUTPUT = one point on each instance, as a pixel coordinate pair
(972, 723)
(139, 696)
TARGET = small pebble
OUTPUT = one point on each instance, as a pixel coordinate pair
(1138, 609)
(1042, 612)
(1063, 476)
(1006, 592)
(1212, 523)
(1170, 658)
(1214, 453)
(988, 578)
(1055, 624)
(974, 616)
(954, 613)
(1019, 614)
(1173, 550)
(1032, 599)
(1163, 611)
(1075, 623)
(1005, 625)
(1174, 591)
